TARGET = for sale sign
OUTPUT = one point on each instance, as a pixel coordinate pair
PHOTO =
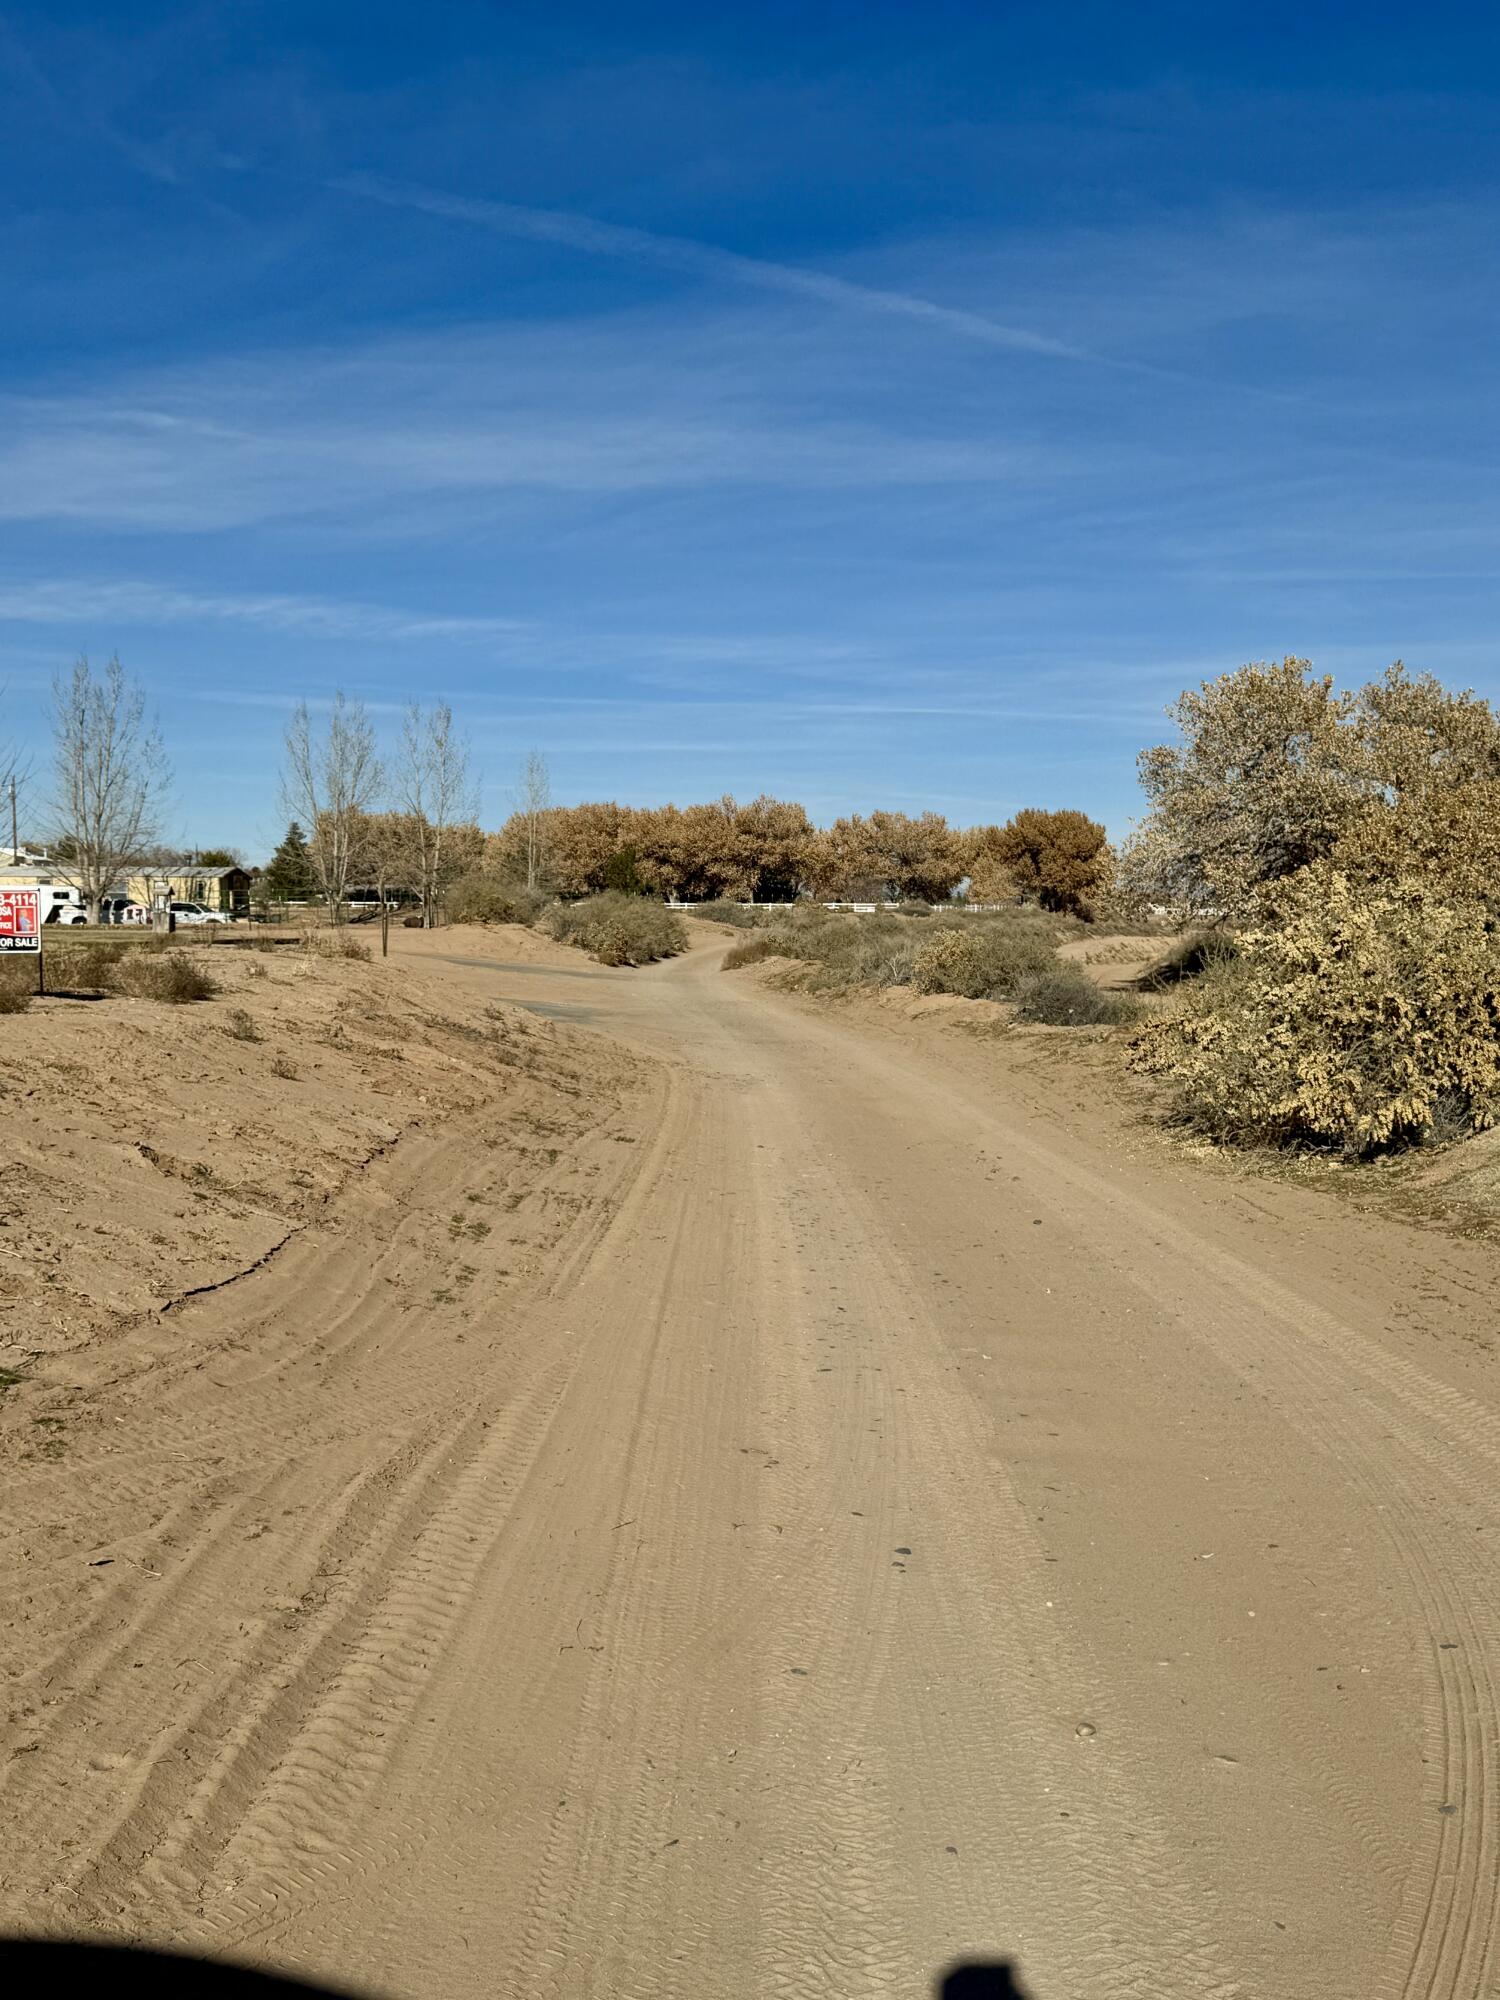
(20, 920)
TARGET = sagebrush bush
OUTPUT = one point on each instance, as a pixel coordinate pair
(241, 1025)
(486, 899)
(751, 952)
(1355, 1016)
(17, 992)
(166, 975)
(618, 929)
(1064, 997)
(982, 959)
(981, 962)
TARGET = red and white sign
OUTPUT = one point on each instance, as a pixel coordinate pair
(20, 920)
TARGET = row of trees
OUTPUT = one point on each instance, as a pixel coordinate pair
(769, 851)
(407, 818)
(407, 821)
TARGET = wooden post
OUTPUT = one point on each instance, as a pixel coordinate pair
(385, 927)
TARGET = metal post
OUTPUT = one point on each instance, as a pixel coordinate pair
(41, 953)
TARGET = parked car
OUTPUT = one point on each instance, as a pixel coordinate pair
(121, 909)
(194, 913)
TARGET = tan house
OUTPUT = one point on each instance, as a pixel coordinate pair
(224, 889)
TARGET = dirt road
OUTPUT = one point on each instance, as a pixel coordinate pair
(913, 1516)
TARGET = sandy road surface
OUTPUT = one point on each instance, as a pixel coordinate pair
(913, 1518)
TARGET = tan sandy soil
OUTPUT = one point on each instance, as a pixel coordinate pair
(1117, 960)
(893, 1506)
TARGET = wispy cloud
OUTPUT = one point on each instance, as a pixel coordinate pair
(681, 253)
(75, 603)
(396, 425)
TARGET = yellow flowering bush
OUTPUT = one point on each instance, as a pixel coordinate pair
(1356, 1015)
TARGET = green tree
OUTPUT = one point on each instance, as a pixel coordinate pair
(289, 877)
(622, 873)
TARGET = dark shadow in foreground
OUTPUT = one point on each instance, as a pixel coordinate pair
(31, 1966)
(980, 1979)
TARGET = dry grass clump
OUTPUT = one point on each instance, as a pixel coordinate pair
(617, 929)
(981, 959)
(335, 942)
(751, 952)
(17, 991)
(84, 968)
(241, 1026)
(1356, 1017)
(481, 898)
(984, 961)
(1064, 997)
(744, 916)
(167, 975)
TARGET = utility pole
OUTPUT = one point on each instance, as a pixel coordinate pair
(15, 842)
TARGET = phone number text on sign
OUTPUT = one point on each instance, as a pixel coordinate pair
(20, 920)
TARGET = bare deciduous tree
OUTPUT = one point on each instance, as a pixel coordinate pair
(534, 802)
(330, 785)
(111, 777)
(434, 794)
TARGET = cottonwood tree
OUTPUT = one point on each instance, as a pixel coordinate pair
(1062, 858)
(533, 804)
(329, 783)
(434, 795)
(111, 777)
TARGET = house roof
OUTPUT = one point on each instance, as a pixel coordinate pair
(186, 868)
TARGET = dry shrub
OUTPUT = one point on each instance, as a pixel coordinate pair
(241, 1026)
(84, 968)
(335, 942)
(618, 929)
(980, 962)
(486, 899)
(751, 952)
(17, 991)
(981, 959)
(744, 916)
(1359, 1017)
(1064, 997)
(166, 975)
(1191, 957)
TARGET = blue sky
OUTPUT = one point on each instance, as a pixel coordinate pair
(868, 404)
